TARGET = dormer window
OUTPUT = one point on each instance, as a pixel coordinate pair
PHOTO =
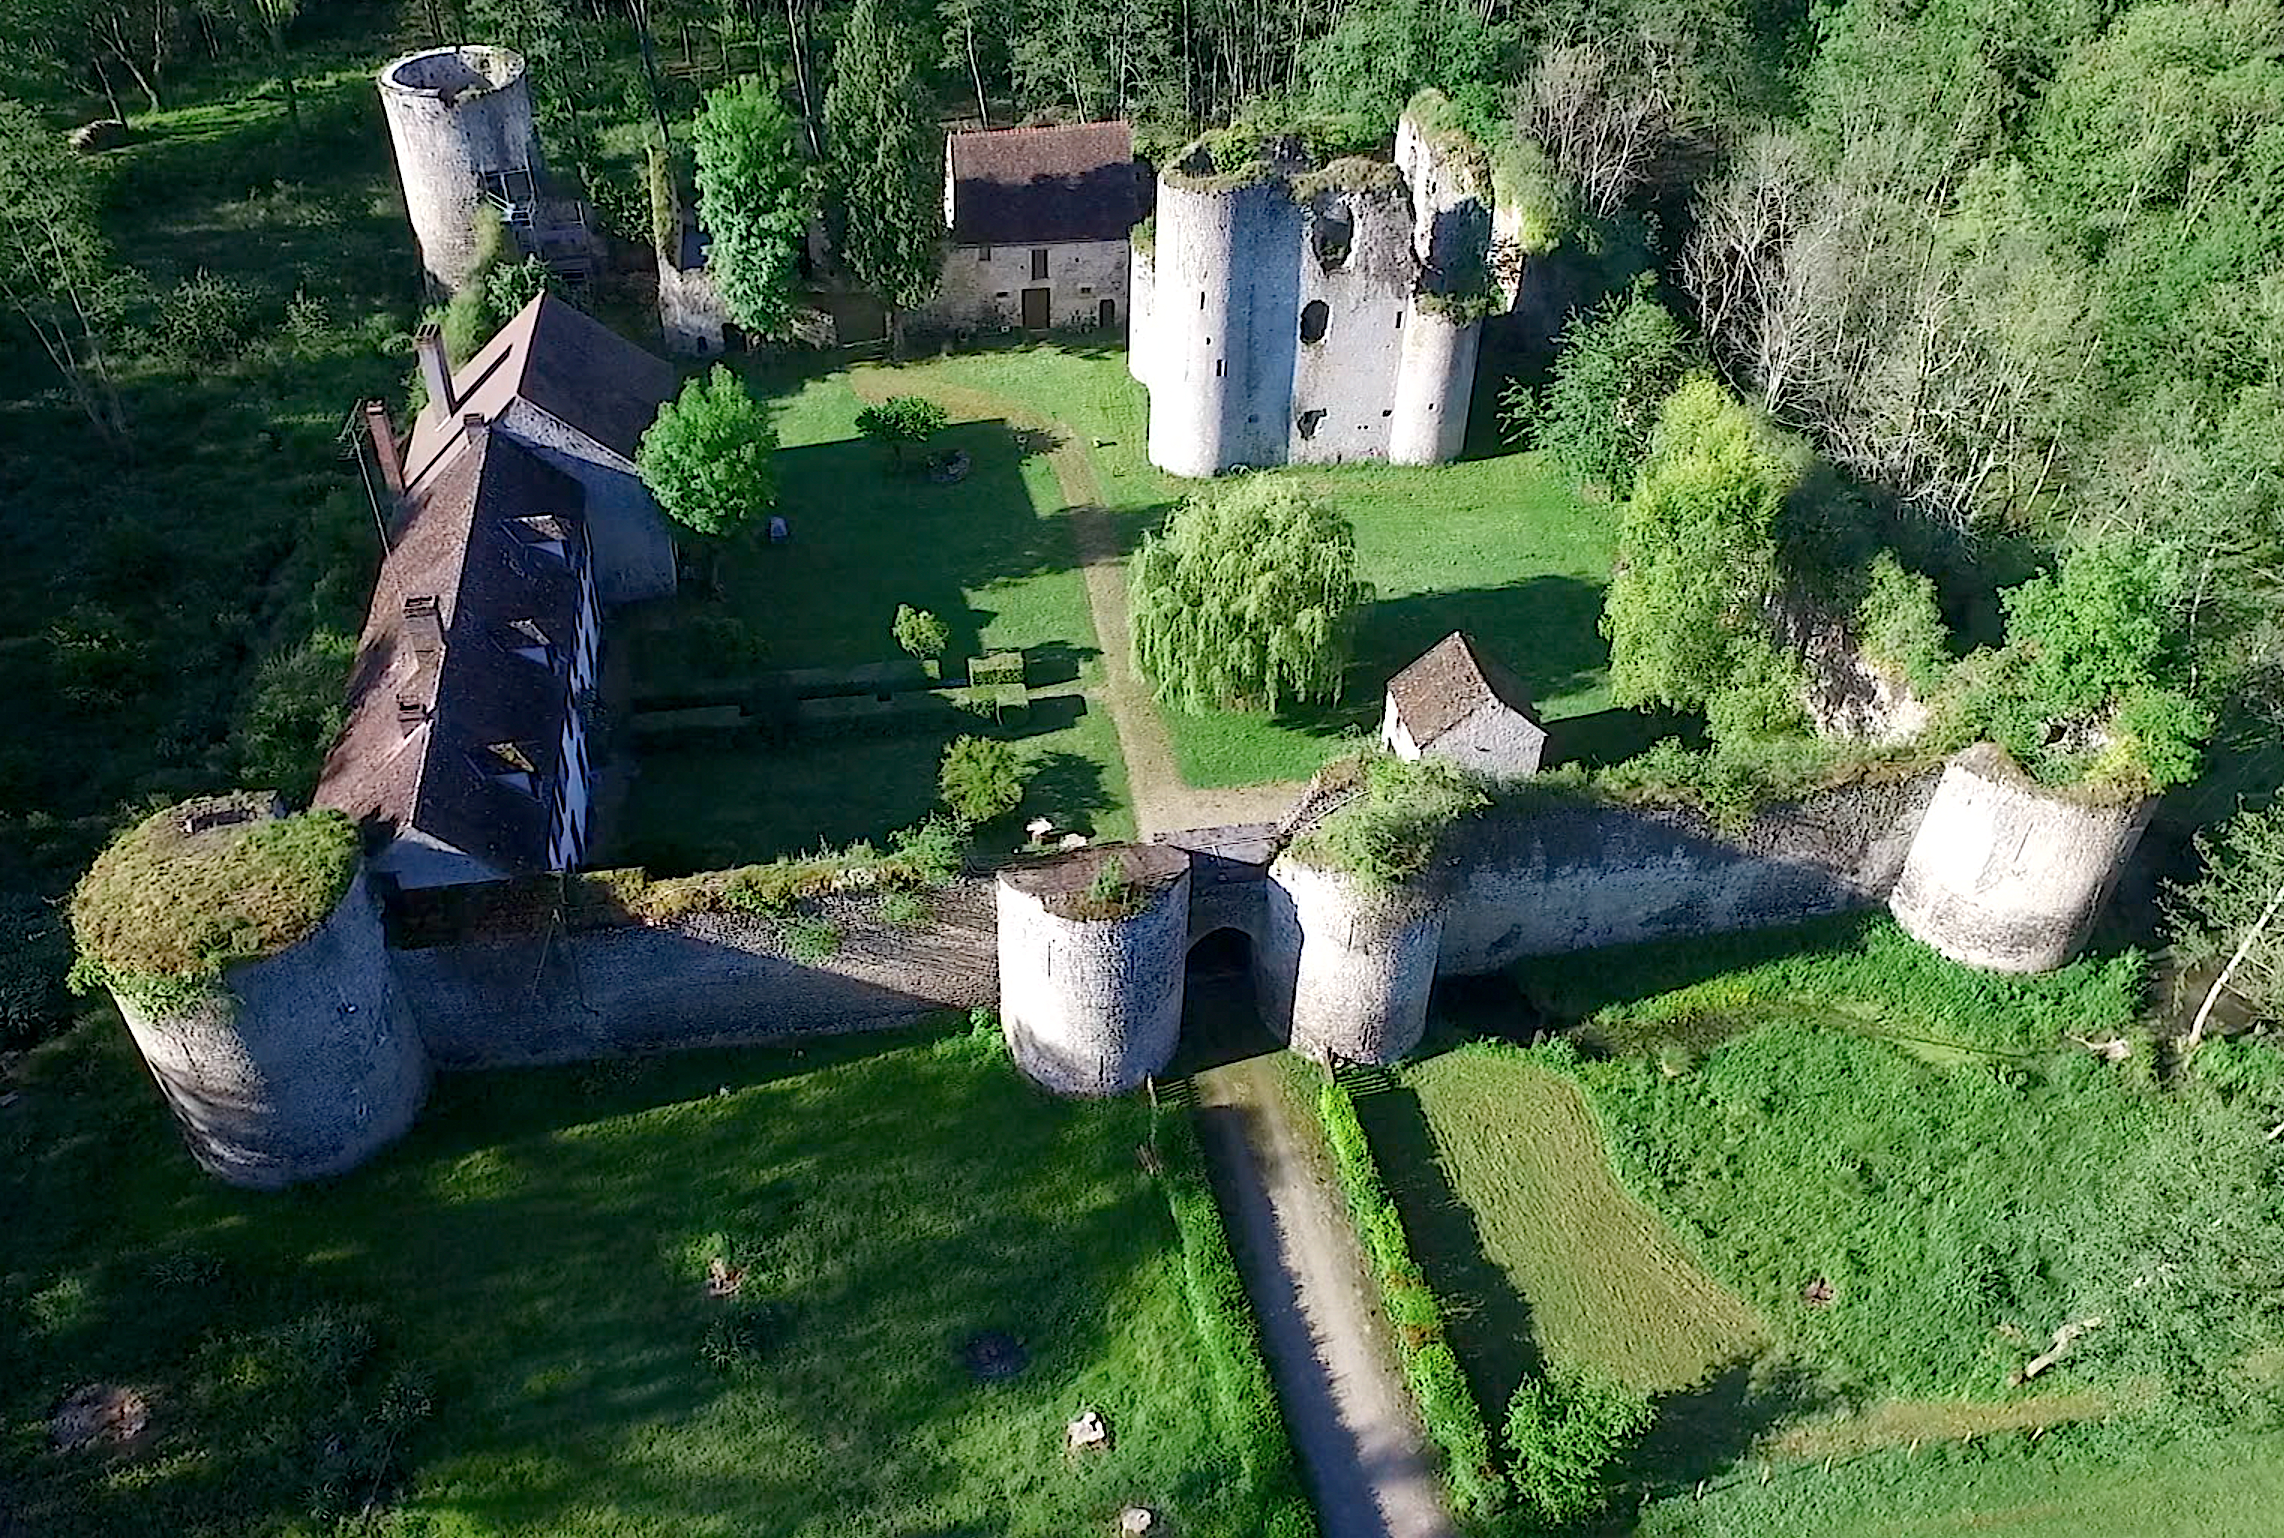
(525, 638)
(511, 764)
(543, 533)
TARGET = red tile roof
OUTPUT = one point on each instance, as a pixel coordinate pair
(1445, 684)
(1026, 186)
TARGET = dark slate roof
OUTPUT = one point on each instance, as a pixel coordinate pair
(1448, 682)
(427, 737)
(561, 360)
(1029, 186)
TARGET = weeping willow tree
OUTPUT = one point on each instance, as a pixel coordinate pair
(1247, 600)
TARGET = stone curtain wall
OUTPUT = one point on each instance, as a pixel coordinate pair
(1578, 878)
(298, 1066)
(708, 980)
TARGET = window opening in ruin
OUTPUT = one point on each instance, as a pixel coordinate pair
(1038, 265)
(1333, 231)
(1316, 315)
(1308, 422)
(1217, 367)
(1107, 314)
(1399, 320)
(983, 253)
(1201, 298)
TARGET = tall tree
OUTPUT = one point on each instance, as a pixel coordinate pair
(755, 197)
(56, 272)
(888, 155)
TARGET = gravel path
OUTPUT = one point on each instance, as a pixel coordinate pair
(1345, 1405)
(1163, 801)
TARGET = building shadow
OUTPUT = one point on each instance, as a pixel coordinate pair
(1221, 1017)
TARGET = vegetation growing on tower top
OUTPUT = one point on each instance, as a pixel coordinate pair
(163, 911)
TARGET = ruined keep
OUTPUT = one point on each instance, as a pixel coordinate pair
(1288, 313)
(298, 1065)
(460, 121)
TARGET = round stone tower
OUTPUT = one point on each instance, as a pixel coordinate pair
(2006, 875)
(1435, 384)
(457, 116)
(1344, 971)
(1091, 951)
(297, 1065)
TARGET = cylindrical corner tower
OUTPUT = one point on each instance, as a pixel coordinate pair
(1344, 971)
(1435, 385)
(2005, 875)
(1224, 302)
(457, 117)
(1091, 952)
(297, 1066)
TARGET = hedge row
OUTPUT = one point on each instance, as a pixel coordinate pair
(1453, 1419)
(1225, 1324)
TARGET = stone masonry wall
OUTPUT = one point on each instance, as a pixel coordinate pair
(709, 980)
(1092, 1006)
(455, 114)
(983, 286)
(298, 1066)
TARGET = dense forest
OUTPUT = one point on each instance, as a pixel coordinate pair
(1983, 294)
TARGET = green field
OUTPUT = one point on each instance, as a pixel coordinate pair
(1819, 1192)
(1495, 544)
(534, 1254)
(990, 556)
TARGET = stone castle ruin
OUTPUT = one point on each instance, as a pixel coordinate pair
(460, 121)
(307, 1062)
(1292, 313)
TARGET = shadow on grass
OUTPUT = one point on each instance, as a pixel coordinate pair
(1700, 1433)
(1486, 1317)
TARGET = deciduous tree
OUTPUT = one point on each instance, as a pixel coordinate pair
(708, 457)
(755, 196)
(56, 272)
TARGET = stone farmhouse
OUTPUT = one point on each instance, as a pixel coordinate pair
(518, 517)
(1455, 703)
(1039, 221)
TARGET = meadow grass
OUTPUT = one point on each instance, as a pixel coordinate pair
(536, 1249)
(1496, 544)
(1581, 1273)
(990, 556)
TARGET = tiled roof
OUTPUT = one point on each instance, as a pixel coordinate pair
(431, 730)
(1446, 683)
(561, 360)
(1021, 186)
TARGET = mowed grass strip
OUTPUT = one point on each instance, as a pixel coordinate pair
(1591, 1276)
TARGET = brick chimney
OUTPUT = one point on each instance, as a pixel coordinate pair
(385, 446)
(424, 626)
(472, 424)
(435, 368)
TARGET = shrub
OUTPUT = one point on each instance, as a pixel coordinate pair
(512, 285)
(1900, 626)
(1111, 893)
(920, 632)
(903, 910)
(1388, 834)
(295, 713)
(159, 915)
(207, 319)
(1618, 363)
(931, 854)
(1567, 1434)
(740, 1340)
(812, 940)
(1448, 1410)
(981, 778)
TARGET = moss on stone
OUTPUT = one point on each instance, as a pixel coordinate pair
(1362, 174)
(203, 886)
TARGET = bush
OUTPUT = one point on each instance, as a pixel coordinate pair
(295, 712)
(903, 910)
(1567, 1434)
(1900, 625)
(981, 778)
(902, 422)
(510, 286)
(1388, 834)
(1448, 1410)
(920, 632)
(1617, 365)
(207, 319)
(1111, 893)
(812, 940)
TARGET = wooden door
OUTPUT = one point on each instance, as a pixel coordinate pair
(1036, 311)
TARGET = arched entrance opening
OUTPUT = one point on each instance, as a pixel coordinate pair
(1221, 1022)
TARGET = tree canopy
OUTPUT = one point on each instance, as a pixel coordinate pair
(755, 197)
(707, 459)
(888, 154)
(1247, 599)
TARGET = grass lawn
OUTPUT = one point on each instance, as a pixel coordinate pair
(534, 1253)
(989, 556)
(1497, 545)
(1820, 1194)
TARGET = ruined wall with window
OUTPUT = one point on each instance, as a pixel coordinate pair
(1071, 286)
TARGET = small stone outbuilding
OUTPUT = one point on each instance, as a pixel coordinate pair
(1457, 704)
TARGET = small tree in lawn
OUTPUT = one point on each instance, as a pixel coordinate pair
(921, 633)
(902, 422)
(707, 459)
(1247, 600)
(1566, 1434)
(981, 778)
